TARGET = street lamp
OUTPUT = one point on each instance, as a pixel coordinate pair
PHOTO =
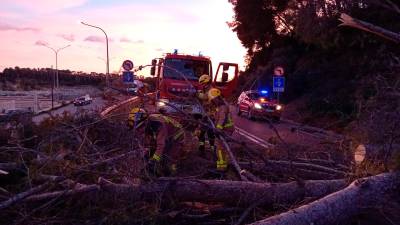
(108, 60)
(56, 53)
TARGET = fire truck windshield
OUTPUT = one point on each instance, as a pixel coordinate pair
(192, 69)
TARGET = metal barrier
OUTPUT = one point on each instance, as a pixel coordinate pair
(122, 109)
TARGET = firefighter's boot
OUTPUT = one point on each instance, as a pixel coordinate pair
(222, 163)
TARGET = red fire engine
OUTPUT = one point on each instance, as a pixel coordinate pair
(177, 80)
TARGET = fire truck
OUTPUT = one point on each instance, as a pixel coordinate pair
(177, 80)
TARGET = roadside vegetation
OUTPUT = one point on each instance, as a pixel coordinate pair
(334, 73)
(26, 79)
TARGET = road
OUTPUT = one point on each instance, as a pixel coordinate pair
(97, 104)
(263, 134)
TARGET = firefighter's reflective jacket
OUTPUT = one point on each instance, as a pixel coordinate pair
(223, 117)
(170, 132)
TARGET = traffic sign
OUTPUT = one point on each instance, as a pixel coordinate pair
(279, 71)
(128, 77)
(278, 84)
(127, 65)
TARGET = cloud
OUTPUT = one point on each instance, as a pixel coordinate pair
(127, 40)
(7, 27)
(45, 6)
(93, 38)
(41, 43)
(68, 37)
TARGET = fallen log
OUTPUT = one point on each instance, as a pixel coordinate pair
(23, 195)
(363, 193)
(65, 193)
(228, 192)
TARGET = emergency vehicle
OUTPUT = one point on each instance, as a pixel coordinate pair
(177, 80)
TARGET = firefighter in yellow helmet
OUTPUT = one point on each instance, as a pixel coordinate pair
(223, 122)
(168, 136)
(205, 85)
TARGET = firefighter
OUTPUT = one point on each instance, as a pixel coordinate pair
(205, 82)
(166, 133)
(223, 122)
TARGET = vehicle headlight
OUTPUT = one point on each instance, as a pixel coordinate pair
(257, 106)
(162, 102)
(278, 107)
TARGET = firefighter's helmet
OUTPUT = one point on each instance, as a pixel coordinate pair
(204, 79)
(213, 93)
(136, 117)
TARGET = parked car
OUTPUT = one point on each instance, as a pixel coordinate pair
(84, 100)
(254, 104)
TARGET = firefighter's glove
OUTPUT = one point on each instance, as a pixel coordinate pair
(156, 157)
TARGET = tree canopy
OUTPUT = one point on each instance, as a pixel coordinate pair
(336, 67)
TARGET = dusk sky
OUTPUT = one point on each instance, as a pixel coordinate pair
(138, 30)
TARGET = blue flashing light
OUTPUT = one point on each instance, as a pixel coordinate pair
(264, 92)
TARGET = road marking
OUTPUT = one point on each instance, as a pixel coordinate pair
(254, 138)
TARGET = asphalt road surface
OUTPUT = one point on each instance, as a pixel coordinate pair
(97, 104)
(266, 134)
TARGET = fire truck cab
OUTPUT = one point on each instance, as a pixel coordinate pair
(177, 80)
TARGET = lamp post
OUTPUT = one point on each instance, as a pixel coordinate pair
(56, 53)
(108, 60)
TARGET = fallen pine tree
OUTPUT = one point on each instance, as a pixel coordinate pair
(364, 193)
(61, 175)
(207, 191)
(338, 204)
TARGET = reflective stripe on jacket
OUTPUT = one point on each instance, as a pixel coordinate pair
(223, 117)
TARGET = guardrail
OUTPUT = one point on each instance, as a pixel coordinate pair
(122, 107)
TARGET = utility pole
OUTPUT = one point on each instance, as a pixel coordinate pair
(52, 88)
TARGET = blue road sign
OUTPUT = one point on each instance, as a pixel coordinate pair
(278, 84)
(128, 77)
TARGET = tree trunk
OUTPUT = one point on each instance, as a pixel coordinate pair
(333, 209)
(365, 26)
(229, 192)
